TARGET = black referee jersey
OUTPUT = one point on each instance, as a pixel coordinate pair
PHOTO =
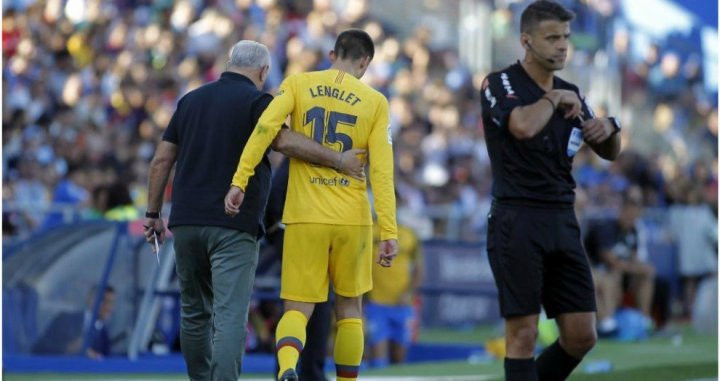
(535, 170)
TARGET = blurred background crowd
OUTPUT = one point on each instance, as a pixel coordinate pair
(89, 87)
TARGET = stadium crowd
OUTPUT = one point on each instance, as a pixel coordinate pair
(89, 86)
(89, 90)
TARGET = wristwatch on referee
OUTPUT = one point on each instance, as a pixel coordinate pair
(616, 125)
(154, 215)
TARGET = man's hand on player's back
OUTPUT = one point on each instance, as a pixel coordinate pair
(352, 163)
(387, 252)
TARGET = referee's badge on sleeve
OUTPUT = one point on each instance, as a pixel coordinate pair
(575, 141)
(389, 130)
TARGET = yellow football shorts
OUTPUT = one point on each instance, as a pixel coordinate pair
(315, 254)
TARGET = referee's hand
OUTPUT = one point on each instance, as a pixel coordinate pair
(569, 102)
(596, 131)
(387, 252)
(233, 200)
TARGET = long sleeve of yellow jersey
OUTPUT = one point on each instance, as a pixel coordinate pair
(264, 133)
(381, 172)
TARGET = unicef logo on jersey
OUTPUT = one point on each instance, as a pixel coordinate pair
(331, 182)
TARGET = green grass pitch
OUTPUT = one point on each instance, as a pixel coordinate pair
(695, 358)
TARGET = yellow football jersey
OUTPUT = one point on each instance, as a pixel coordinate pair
(337, 110)
(390, 283)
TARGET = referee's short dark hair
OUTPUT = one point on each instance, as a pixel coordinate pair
(542, 10)
(354, 44)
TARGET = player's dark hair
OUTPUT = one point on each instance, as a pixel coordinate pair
(542, 10)
(354, 44)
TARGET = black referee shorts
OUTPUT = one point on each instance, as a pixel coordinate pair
(537, 258)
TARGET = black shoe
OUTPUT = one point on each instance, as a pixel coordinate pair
(289, 375)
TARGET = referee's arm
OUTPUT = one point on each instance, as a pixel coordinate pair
(598, 133)
(526, 121)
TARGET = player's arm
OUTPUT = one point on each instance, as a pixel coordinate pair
(266, 129)
(301, 147)
(381, 179)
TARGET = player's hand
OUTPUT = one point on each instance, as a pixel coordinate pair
(569, 102)
(154, 226)
(352, 164)
(233, 200)
(597, 130)
(387, 252)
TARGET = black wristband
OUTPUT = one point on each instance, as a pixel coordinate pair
(152, 215)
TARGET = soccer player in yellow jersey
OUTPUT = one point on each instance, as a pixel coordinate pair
(328, 234)
(389, 313)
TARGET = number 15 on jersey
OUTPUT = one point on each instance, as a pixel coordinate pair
(324, 126)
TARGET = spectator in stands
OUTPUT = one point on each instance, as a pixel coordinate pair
(69, 192)
(694, 228)
(78, 95)
(389, 312)
(66, 333)
(618, 252)
(98, 203)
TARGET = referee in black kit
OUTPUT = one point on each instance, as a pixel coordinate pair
(534, 124)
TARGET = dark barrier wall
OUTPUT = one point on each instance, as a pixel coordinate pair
(459, 288)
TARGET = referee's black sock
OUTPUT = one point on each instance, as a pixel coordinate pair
(520, 369)
(555, 364)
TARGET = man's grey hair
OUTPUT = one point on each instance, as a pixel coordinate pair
(248, 54)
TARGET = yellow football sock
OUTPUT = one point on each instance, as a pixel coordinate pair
(290, 339)
(349, 343)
